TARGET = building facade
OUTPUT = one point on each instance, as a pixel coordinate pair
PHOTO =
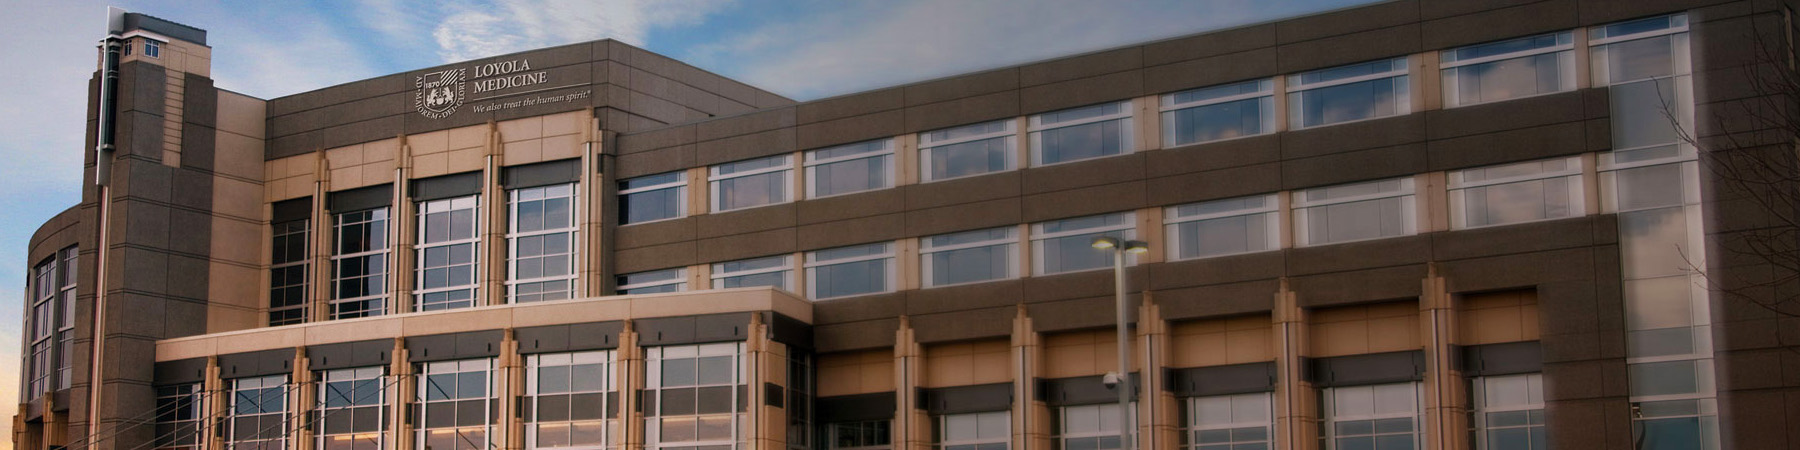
(1416, 224)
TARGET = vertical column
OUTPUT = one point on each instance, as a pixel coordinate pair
(589, 212)
(1431, 201)
(402, 232)
(215, 407)
(1446, 425)
(1148, 115)
(510, 381)
(770, 377)
(492, 207)
(1157, 427)
(912, 426)
(304, 401)
(320, 296)
(906, 154)
(400, 397)
(1427, 91)
(1031, 416)
(1295, 410)
(630, 373)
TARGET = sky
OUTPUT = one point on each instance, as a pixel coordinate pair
(803, 49)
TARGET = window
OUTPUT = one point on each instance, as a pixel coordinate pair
(652, 282)
(1348, 93)
(1509, 69)
(289, 269)
(776, 271)
(799, 400)
(967, 151)
(1354, 212)
(258, 416)
(359, 264)
(352, 413)
(1516, 193)
(751, 183)
(1229, 422)
(870, 435)
(691, 396)
(569, 396)
(1062, 246)
(448, 253)
(178, 411)
(65, 309)
(1508, 412)
(1223, 227)
(42, 330)
(1081, 133)
(652, 198)
(455, 398)
(152, 49)
(1089, 427)
(541, 237)
(848, 169)
(969, 256)
(1219, 112)
(848, 271)
(1379, 417)
(1639, 49)
(1676, 425)
(974, 431)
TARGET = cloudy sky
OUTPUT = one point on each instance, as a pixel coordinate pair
(804, 49)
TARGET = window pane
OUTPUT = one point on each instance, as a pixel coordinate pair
(1639, 59)
(971, 264)
(840, 280)
(1353, 101)
(650, 205)
(1653, 242)
(1227, 120)
(1223, 236)
(967, 158)
(1079, 142)
(1641, 114)
(1664, 378)
(854, 175)
(752, 190)
(1076, 253)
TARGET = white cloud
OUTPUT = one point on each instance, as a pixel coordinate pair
(469, 29)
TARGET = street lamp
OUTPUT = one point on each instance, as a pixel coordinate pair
(1118, 250)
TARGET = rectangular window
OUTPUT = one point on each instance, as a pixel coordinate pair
(1378, 417)
(570, 398)
(967, 150)
(969, 256)
(1516, 193)
(449, 255)
(1217, 113)
(1223, 227)
(848, 169)
(258, 418)
(541, 238)
(1062, 246)
(652, 198)
(454, 403)
(848, 271)
(1081, 133)
(776, 271)
(289, 269)
(1348, 93)
(1229, 422)
(692, 397)
(1354, 212)
(41, 329)
(65, 331)
(1640, 49)
(1089, 427)
(152, 48)
(359, 264)
(1508, 69)
(652, 282)
(799, 401)
(1508, 412)
(352, 413)
(751, 183)
(178, 412)
(1677, 424)
(870, 435)
(973, 431)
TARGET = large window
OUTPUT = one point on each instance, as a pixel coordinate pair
(1508, 412)
(652, 282)
(969, 256)
(691, 397)
(973, 431)
(652, 198)
(1348, 93)
(352, 413)
(1089, 427)
(776, 271)
(65, 311)
(1509, 69)
(1354, 212)
(1062, 246)
(541, 239)
(869, 435)
(1516, 193)
(359, 264)
(50, 325)
(1223, 227)
(448, 253)
(178, 411)
(1219, 112)
(569, 396)
(289, 269)
(1378, 417)
(848, 271)
(1081, 133)
(751, 183)
(799, 400)
(454, 404)
(1229, 422)
(258, 418)
(848, 169)
(1640, 49)
(967, 150)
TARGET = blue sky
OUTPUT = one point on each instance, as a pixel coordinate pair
(804, 49)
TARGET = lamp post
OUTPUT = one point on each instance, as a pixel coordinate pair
(1118, 250)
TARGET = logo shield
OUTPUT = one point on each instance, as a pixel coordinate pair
(439, 94)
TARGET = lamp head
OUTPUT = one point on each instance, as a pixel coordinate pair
(1136, 247)
(1105, 243)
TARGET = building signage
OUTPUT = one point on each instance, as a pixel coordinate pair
(441, 93)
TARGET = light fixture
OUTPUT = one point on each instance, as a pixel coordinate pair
(1137, 247)
(1105, 242)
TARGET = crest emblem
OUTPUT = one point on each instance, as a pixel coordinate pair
(439, 94)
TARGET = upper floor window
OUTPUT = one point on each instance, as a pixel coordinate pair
(967, 150)
(1639, 49)
(258, 418)
(569, 395)
(973, 431)
(1089, 427)
(152, 48)
(691, 396)
(1219, 112)
(1515, 193)
(359, 262)
(455, 400)
(1378, 417)
(847, 271)
(448, 254)
(1081, 133)
(751, 183)
(1509, 69)
(289, 269)
(1229, 422)
(1223, 227)
(1508, 412)
(969, 256)
(1348, 93)
(866, 435)
(655, 281)
(178, 417)
(776, 271)
(541, 241)
(351, 410)
(651, 198)
(1354, 212)
(1062, 246)
(848, 169)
